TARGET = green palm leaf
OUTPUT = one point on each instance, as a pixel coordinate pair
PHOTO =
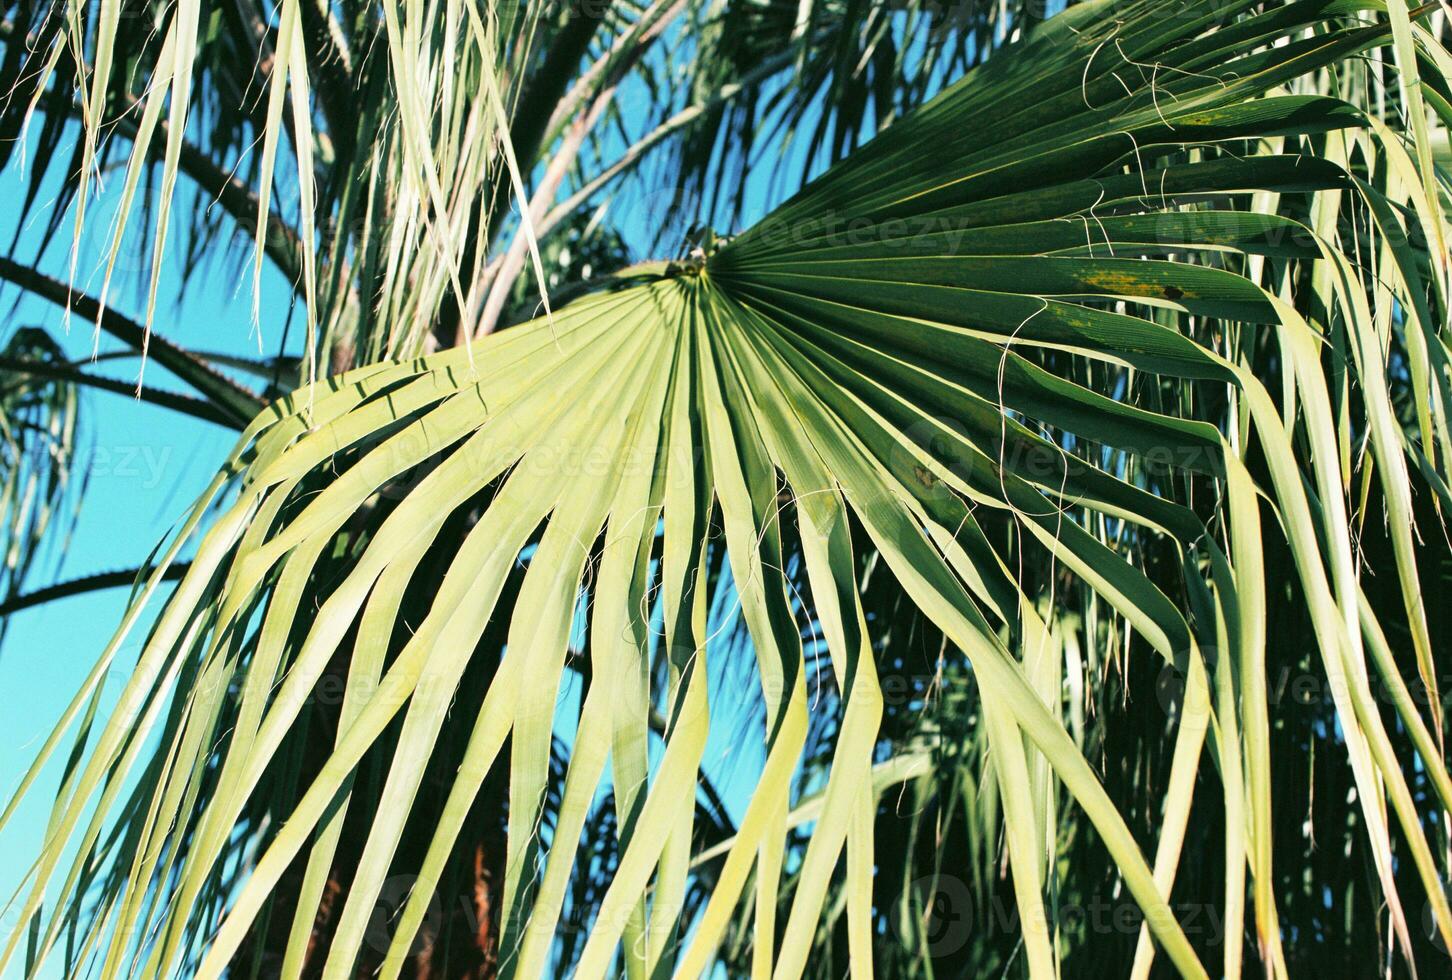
(996, 315)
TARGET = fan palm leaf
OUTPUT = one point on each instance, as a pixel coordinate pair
(1054, 300)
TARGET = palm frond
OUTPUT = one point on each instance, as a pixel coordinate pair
(1122, 336)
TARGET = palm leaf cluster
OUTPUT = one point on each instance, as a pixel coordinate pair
(993, 483)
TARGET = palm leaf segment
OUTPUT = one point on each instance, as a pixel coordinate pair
(37, 451)
(880, 364)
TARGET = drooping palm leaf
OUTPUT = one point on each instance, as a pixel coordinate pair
(1048, 303)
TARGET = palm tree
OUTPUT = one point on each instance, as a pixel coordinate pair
(1042, 503)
